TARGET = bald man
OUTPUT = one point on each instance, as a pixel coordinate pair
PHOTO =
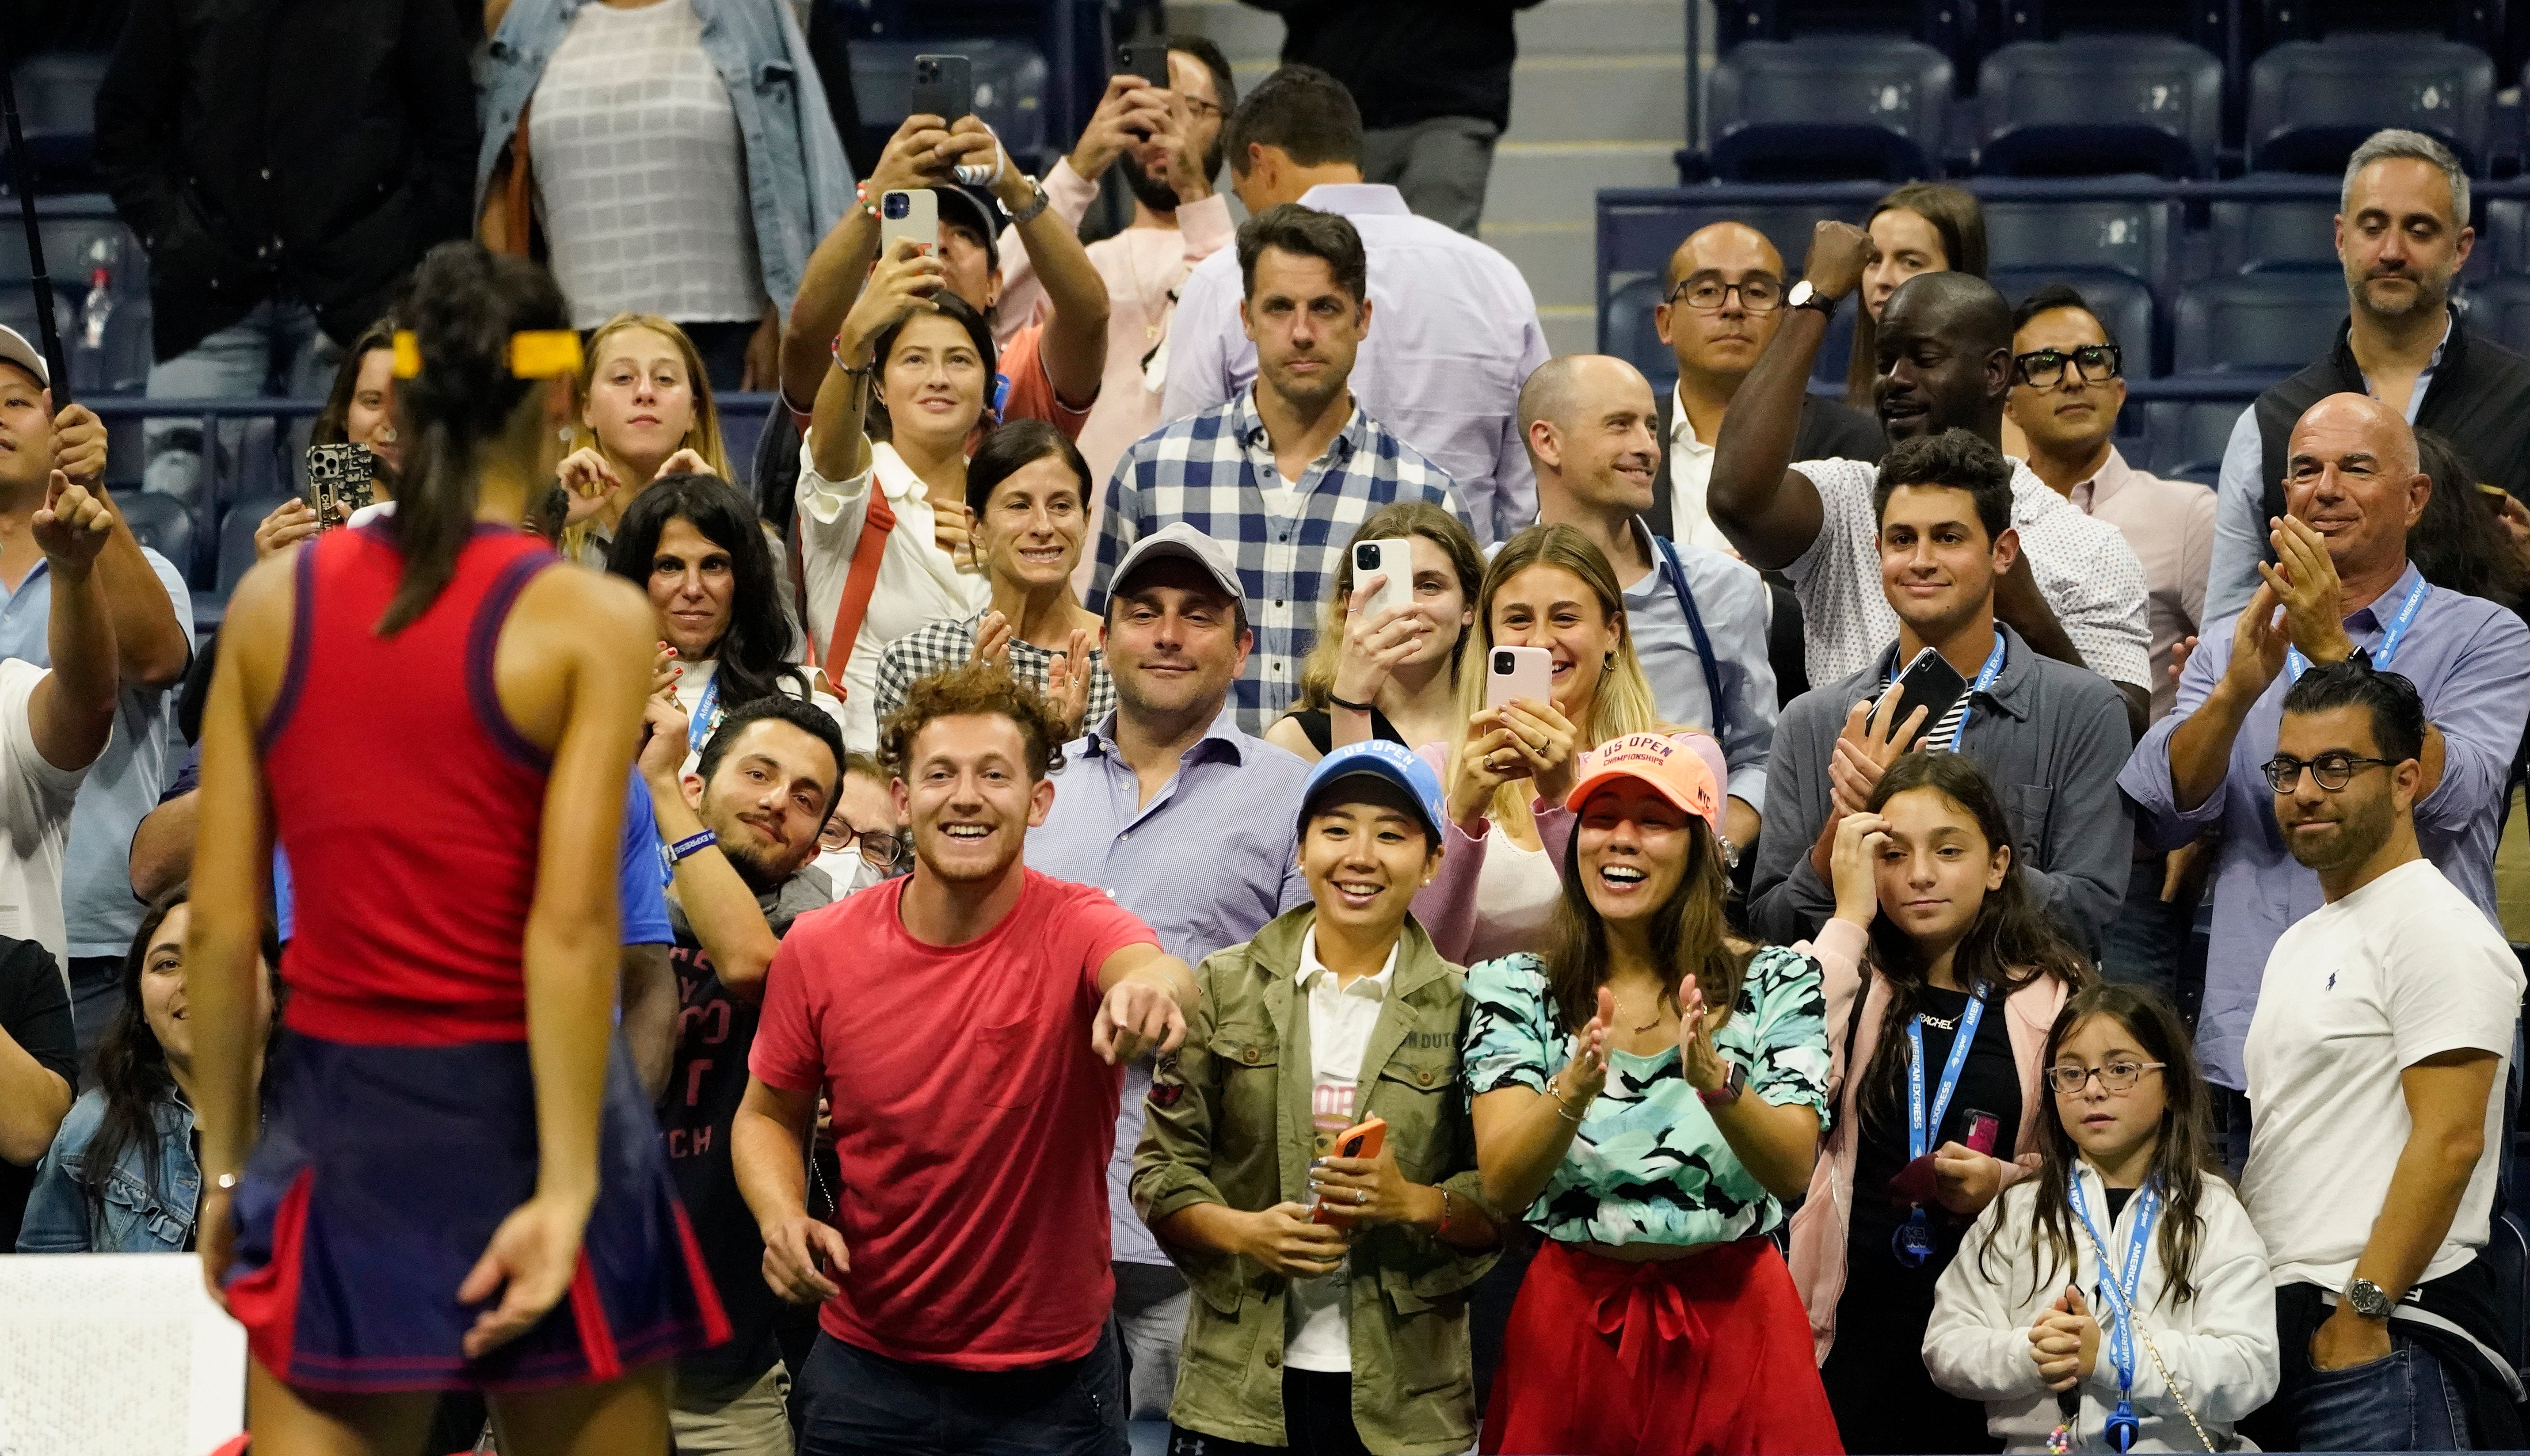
(1723, 298)
(2341, 583)
(1697, 615)
(1946, 364)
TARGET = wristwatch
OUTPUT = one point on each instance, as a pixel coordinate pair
(1805, 295)
(1038, 202)
(1730, 852)
(1728, 1092)
(2368, 1300)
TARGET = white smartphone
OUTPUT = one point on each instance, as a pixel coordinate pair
(913, 214)
(1519, 672)
(1394, 560)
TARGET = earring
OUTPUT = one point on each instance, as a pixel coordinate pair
(1609, 662)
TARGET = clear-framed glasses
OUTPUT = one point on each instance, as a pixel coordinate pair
(2333, 770)
(2044, 369)
(1758, 294)
(2116, 1077)
(1198, 107)
(879, 850)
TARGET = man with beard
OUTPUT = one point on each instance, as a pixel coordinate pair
(1166, 781)
(969, 1025)
(766, 781)
(2402, 235)
(1284, 470)
(2384, 1029)
(1163, 133)
(1945, 364)
(2346, 586)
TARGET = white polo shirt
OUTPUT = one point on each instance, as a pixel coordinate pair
(1317, 1336)
(2402, 970)
(36, 798)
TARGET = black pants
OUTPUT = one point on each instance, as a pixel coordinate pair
(864, 1404)
(1317, 1421)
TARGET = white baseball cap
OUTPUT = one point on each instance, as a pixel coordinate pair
(13, 349)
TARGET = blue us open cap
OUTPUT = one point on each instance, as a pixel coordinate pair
(1380, 759)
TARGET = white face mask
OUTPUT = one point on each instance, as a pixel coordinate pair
(848, 870)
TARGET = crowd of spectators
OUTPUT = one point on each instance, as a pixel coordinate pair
(1092, 954)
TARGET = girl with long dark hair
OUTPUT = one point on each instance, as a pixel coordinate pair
(121, 1177)
(1647, 1095)
(435, 718)
(692, 543)
(1938, 1046)
(2127, 1222)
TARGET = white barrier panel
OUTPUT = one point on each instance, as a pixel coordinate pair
(115, 1355)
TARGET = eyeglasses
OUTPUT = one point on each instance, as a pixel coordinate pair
(879, 850)
(1707, 295)
(2333, 770)
(2116, 1077)
(1196, 106)
(2044, 369)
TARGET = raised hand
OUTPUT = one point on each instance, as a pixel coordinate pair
(528, 1264)
(686, 462)
(992, 639)
(1698, 1058)
(1067, 681)
(1180, 161)
(921, 153)
(662, 758)
(1486, 761)
(1545, 741)
(79, 443)
(592, 482)
(952, 530)
(289, 523)
(900, 285)
(2305, 581)
(798, 1251)
(1860, 839)
(1838, 252)
(665, 669)
(2258, 643)
(72, 526)
(1126, 112)
(1586, 1076)
(1137, 1016)
(1375, 643)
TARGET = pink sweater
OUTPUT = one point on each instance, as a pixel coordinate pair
(1819, 1228)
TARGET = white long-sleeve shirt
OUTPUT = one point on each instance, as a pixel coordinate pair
(2220, 1345)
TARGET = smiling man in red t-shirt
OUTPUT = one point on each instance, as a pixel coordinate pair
(969, 1025)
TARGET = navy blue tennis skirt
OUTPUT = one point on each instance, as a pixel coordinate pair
(379, 1178)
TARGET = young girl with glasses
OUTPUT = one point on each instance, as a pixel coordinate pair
(2127, 1212)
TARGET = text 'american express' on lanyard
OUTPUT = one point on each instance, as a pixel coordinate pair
(2296, 664)
(1984, 679)
(1912, 1243)
(2123, 1285)
(706, 716)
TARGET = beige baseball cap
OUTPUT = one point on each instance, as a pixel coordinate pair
(13, 349)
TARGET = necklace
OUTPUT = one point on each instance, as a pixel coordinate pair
(1930, 1020)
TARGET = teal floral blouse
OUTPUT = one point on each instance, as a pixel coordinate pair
(1647, 1165)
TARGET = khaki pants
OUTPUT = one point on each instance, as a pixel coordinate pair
(734, 1417)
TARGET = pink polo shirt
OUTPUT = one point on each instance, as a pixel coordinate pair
(2170, 524)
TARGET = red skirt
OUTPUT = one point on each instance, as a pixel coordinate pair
(1708, 1353)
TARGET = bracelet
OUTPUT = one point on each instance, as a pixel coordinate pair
(1445, 1214)
(1359, 708)
(691, 845)
(860, 194)
(1562, 1109)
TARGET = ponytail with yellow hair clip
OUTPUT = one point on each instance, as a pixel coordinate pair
(534, 353)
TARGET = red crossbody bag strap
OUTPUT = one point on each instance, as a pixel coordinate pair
(859, 585)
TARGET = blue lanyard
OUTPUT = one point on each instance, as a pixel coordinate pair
(1984, 679)
(1695, 629)
(2296, 664)
(2124, 1286)
(1919, 1128)
(706, 718)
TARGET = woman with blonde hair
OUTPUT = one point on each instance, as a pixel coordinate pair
(645, 411)
(1548, 587)
(1392, 675)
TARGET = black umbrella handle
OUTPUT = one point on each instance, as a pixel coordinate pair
(22, 175)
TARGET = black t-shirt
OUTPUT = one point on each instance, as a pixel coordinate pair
(1314, 722)
(2119, 1198)
(34, 1013)
(1989, 1083)
(708, 1080)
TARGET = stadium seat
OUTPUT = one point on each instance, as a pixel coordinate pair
(2132, 236)
(2312, 102)
(236, 540)
(163, 523)
(57, 110)
(1630, 332)
(2122, 304)
(2501, 306)
(1827, 106)
(2093, 104)
(2186, 438)
(2260, 323)
(2285, 233)
(2504, 243)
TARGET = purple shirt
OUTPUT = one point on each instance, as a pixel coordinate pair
(2470, 661)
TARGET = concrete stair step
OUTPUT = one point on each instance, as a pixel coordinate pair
(1559, 181)
(1580, 98)
(1580, 28)
(1557, 258)
(1570, 330)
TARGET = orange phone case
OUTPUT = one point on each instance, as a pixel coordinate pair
(1361, 1140)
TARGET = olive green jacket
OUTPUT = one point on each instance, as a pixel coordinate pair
(1228, 1123)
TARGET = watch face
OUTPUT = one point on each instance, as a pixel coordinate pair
(1801, 294)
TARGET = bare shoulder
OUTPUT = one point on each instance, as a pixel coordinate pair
(604, 610)
(260, 607)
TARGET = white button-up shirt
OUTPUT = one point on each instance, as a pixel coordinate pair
(1690, 472)
(1317, 1335)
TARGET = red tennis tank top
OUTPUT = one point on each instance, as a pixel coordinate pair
(409, 805)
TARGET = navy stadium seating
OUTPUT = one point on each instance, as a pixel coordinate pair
(2261, 322)
(2092, 104)
(2312, 102)
(1829, 106)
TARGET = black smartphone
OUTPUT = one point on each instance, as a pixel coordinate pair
(1147, 59)
(341, 479)
(1930, 683)
(943, 87)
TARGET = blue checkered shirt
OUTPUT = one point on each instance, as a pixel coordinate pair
(1213, 470)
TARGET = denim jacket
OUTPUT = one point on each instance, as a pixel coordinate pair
(136, 1222)
(798, 183)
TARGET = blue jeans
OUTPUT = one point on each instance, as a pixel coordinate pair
(2402, 1403)
(278, 349)
(864, 1404)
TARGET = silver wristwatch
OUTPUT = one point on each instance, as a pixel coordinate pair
(1038, 202)
(2368, 1300)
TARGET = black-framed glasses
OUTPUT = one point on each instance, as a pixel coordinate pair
(2116, 1077)
(1758, 294)
(2044, 369)
(2333, 770)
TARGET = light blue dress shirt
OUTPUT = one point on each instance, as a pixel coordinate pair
(1732, 598)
